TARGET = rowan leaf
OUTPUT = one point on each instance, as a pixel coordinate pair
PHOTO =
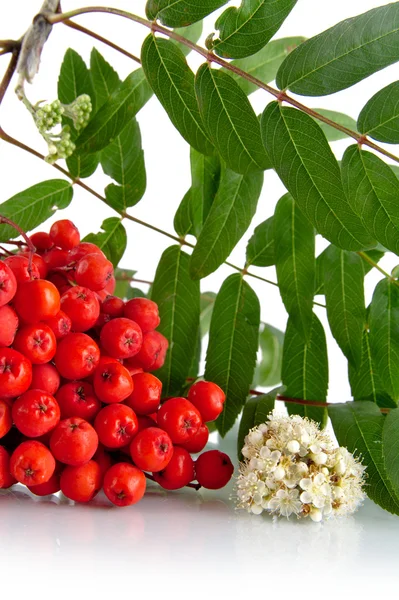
(180, 13)
(379, 118)
(390, 449)
(192, 33)
(260, 248)
(183, 222)
(105, 80)
(268, 369)
(112, 239)
(330, 132)
(205, 175)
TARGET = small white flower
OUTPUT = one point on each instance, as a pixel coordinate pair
(316, 491)
(285, 502)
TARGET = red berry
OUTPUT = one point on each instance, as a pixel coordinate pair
(103, 459)
(110, 287)
(116, 425)
(152, 352)
(82, 250)
(74, 441)
(15, 373)
(144, 312)
(82, 307)
(8, 284)
(19, 265)
(198, 442)
(60, 324)
(32, 463)
(113, 306)
(81, 483)
(151, 449)
(179, 471)
(213, 469)
(37, 300)
(77, 399)
(61, 281)
(52, 486)
(145, 422)
(93, 271)
(124, 484)
(41, 240)
(77, 356)
(208, 398)
(45, 378)
(64, 234)
(121, 338)
(8, 325)
(180, 419)
(39, 263)
(146, 395)
(56, 258)
(6, 479)
(132, 370)
(35, 413)
(5, 418)
(112, 382)
(36, 342)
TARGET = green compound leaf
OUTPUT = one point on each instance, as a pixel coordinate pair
(191, 33)
(373, 192)
(380, 116)
(245, 30)
(113, 116)
(180, 13)
(178, 299)
(34, 206)
(260, 248)
(303, 159)
(256, 411)
(294, 247)
(229, 217)
(344, 291)
(172, 81)
(268, 369)
(390, 449)
(384, 335)
(344, 54)
(230, 121)
(205, 175)
(123, 160)
(331, 133)
(233, 345)
(305, 370)
(112, 239)
(105, 80)
(359, 427)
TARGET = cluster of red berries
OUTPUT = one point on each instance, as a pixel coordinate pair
(80, 409)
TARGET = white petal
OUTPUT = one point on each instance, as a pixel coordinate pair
(305, 483)
(256, 510)
(316, 515)
(306, 498)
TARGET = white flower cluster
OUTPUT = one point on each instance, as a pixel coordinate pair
(291, 467)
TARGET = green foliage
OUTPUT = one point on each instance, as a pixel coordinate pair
(179, 13)
(380, 116)
(112, 239)
(331, 133)
(256, 411)
(191, 33)
(105, 80)
(260, 248)
(268, 369)
(205, 176)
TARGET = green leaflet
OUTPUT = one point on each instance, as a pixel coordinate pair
(384, 335)
(256, 411)
(268, 369)
(372, 190)
(390, 449)
(191, 33)
(172, 81)
(230, 121)
(34, 205)
(123, 280)
(105, 80)
(207, 305)
(228, 219)
(233, 344)
(379, 118)
(183, 222)
(245, 30)
(180, 13)
(331, 133)
(112, 239)
(303, 159)
(294, 247)
(344, 54)
(344, 291)
(123, 160)
(178, 299)
(305, 369)
(260, 248)
(205, 175)
(359, 427)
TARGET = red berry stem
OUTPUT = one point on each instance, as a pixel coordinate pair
(31, 247)
(194, 486)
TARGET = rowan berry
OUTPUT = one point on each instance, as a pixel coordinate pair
(144, 312)
(93, 271)
(8, 325)
(56, 258)
(144, 422)
(42, 241)
(124, 484)
(19, 265)
(46, 378)
(110, 286)
(103, 459)
(15, 373)
(32, 463)
(146, 396)
(52, 486)
(5, 418)
(151, 449)
(112, 382)
(179, 471)
(60, 324)
(82, 307)
(36, 342)
(208, 398)
(180, 419)
(213, 469)
(39, 263)
(35, 413)
(36, 300)
(8, 284)
(113, 306)
(152, 353)
(81, 483)
(6, 479)
(116, 425)
(64, 234)
(198, 442)
(121, 338)
(74, 441)
(77, 399)
(82, 250)
(77, 356)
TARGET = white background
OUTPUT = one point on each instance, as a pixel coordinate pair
(178, 534)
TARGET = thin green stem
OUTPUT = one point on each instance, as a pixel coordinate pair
(375, 265)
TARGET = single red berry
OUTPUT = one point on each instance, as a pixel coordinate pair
(151, 449)
(74, 441)
(146, 396)
(77, 356)
(8, 325)
(19, 265)
(213, 469)
(110, 286)
(132, 370)
(46, 378)
(112, 382)
(113, 306)
(82, 250)
(15, 373)
(121, 338)
(32, 463)
(198, 442)
(103, 318)
(36, 342)
(42, 241)
(5, 418)
(180, 419)
(60, 324)
(35, 413)
(82, 307)
(39, 263)
(103, 459)
(116, 425)
(56, 258)
(152, 353)
(179, 471)
(37, 300)
(77, 399)
(93, 271)
(61, 281)
(6, 479)
(208, 398)
(52, 486)
(144, 312)
(8, 284)
(65, 234)
(81, 483)
(145, 422)
(124, 484)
